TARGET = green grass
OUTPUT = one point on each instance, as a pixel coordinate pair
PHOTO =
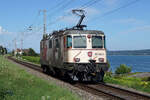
(33, 59)
(131, 82)
(17, 84)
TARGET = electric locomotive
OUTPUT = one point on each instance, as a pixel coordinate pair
(75, 53)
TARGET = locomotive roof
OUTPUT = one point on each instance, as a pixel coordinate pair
(69, 31)
(83, 32)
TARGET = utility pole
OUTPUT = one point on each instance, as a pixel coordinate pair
(15, 45)
(9, 46)
(44, 20)
(22, 37)
(21, 44)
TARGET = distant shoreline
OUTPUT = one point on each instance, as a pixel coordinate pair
(145, 52)
(126, 55)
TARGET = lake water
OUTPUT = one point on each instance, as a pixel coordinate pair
(138, 63)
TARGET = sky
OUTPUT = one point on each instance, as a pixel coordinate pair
(127, 28)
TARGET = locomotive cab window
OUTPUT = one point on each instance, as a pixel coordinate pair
(97, 42)
(57, 43)
(50, 43)
(104, 42)
(79, 42)
(69, 42)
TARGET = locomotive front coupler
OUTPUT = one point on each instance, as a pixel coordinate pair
(93, 66)
(92, 61)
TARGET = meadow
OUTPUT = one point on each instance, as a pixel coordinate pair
(33, 59)
(17, 84)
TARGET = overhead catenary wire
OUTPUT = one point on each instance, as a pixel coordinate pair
(88, 4)
(115, 10)
(54, 11)
(54, 22)
(56, 6)
(35, 20)
(62, 7)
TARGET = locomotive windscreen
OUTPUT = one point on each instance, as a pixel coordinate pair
(79, 41)
(97, 42)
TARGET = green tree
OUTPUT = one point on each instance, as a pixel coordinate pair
(5, 50)
(2, 50)
(24, 54)
(32, 52)
(12, 53)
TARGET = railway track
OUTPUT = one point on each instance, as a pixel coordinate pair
(109, 92)
(115, 93)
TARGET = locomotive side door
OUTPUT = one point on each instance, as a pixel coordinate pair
(57, 51)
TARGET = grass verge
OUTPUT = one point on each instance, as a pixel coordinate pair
(130, 82)
(32, 59)
(17, 84)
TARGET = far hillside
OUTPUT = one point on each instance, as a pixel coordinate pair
(130, 52)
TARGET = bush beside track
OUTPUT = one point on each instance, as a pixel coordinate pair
(130, 82)
(17, 84)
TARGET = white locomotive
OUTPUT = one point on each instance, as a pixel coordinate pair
(74, 53)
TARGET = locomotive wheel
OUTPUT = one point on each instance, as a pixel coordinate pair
(46, 69)
(68, 78)
(80, 76)
(99, 77)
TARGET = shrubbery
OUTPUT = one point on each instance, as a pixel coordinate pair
(108, 64)
(32, 52)
(3, 50)
(123, 69)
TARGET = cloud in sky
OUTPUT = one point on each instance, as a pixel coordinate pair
(3, 31)
(92, 12)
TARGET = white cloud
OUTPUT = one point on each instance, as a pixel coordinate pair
(91, 12)
(3, 31)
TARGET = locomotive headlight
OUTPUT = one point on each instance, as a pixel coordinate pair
(101, 59)
(77, 59)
